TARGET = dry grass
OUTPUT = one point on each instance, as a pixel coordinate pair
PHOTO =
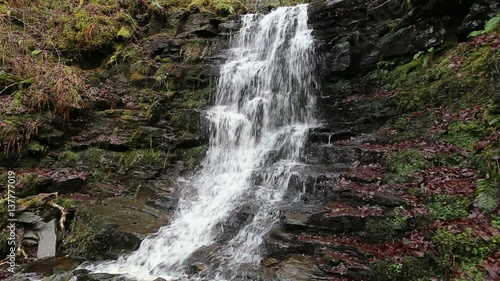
(33, 79)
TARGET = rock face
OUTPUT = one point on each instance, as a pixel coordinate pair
(373, 197)
(409, 110)
(113, 164)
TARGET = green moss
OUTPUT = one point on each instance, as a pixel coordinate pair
(465, 135)
(36, 147)
(402, 164)
(380, 230)
(106, 164)
(486, 162)
(491, 26)
(139, 71)
(411, 126)
(495, 221)
(29, 203)
(143, 158)
(91, 26)
(87, 239)
(411, 268)
(463, 251)
(220, 7)
(458, 79)
(141, 139)
(447, 207)
(193, 99)
(67, 158)
(190, 157)
(161, 77)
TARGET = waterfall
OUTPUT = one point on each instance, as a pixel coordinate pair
(263, 110)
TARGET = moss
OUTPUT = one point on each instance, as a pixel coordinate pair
(459, 78)
(68, 158)
(402, 164)
(141, 139)
(411, 126)
(220, 7)
(495, 221)
(411, 268)
(86, 239)
(193, 99)
(293, 2)
(36, 147)
(143, 158)
(190, 157)
(29, 203)
(90, 26)
(139, 71)
(449, 159)
(126, 54)
(465, 135)
(106, 164)
(162, 77)
(30, 180)
(380, 230)
(65, 203)
(447, 207)
(462, 251)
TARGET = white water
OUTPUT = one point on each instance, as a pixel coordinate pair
(263, 110)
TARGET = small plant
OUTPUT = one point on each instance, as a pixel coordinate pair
(487, 194)
(490, 26)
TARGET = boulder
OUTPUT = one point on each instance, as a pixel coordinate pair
(115, 226)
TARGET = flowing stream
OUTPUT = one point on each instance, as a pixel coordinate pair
(263, 110)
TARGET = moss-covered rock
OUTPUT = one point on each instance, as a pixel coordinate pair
(118, 225)
(401, 165)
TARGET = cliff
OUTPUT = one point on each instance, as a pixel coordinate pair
(102, 104)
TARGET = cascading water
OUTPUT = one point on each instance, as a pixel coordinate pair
(263, 110)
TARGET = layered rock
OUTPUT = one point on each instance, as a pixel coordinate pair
(391, 173)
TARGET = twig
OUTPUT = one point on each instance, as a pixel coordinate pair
(63, 211)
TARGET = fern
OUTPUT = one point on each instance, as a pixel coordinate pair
(491, 25)
(486, 195)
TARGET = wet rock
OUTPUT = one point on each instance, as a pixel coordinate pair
(280, 244)
(341, 56)
(117, 225)
(229, 27)
(388, 199)
(163, 46)
(47, 240)
(20, 277)
(197, 268)
(299, 268)
(158, 194)
(297, 216)
(59, 277)
(50, 266)
(270, 262)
